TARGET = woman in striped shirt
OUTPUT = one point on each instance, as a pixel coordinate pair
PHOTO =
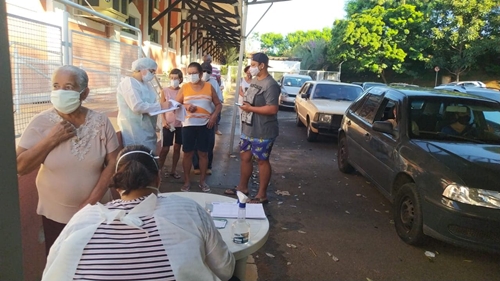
(140, 236)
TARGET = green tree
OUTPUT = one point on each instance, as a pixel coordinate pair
(313, 55)
(377, 39)
(462, 31)
(273, 44)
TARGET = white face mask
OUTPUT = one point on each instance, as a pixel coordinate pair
(206, 76)
(65, 101)
(174, 83)
(254, 70)
(148, 77)
(194, 78)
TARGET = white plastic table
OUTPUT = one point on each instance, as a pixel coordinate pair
(259, 229)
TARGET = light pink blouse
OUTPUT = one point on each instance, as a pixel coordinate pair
(71, 170)
(170, 94)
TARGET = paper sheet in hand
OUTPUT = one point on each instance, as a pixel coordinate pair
(230, 210)
(162, 111)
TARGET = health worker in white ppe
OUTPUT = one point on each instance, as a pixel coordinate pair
(137, 98)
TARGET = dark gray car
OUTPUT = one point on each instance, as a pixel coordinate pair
(435, 155)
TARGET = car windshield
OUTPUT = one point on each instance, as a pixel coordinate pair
(296, 82)
(455, 119)
(336, 92)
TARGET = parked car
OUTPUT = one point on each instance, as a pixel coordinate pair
(367, 85)
(290, 84)
(320, 105)
(483, 92)
(442, 183)
(403, 85)
(466, 84)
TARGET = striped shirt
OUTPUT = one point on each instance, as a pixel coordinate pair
(118, 251)
(202, 99)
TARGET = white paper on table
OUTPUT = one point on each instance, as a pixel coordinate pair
(230, 210)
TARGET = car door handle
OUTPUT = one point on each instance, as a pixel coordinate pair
(349, 122)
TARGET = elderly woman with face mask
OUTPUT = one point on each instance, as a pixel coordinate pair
(136, 99)
(75, 149)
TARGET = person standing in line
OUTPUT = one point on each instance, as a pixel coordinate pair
(202, 105)
(259, 119)
(75, 149)
(244, 84)
(172, 128)
(136, 98)
(207, 71)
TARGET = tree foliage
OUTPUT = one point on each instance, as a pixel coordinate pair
(401, 36)
(275, 44)
(378, 38)
(462, 31)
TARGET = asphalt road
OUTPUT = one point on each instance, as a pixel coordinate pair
(330, 215)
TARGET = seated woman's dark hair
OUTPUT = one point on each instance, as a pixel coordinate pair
(136, 167)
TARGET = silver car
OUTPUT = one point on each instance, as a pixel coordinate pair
(290, 86)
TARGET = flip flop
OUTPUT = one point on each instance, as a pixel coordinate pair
(204, 187)
(174, 175)
(186, 188)
(258, 200)
(232, 191)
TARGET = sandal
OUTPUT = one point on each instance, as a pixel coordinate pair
(232, 191)
(258, 200)
(204, 187)
(186, 188)
(174, 175)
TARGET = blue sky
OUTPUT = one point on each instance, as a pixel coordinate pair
(294, 15)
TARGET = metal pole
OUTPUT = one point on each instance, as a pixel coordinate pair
(65, 34)
(11, 258)
(436, 81)
(340, 69)
(109, 19)
(244, 10)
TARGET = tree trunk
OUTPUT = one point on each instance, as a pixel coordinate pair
(382, 74)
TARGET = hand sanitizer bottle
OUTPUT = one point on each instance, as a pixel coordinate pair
(240, 228)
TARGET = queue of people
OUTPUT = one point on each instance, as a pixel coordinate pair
(79, 157)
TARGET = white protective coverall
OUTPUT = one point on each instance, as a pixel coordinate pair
(135, 100)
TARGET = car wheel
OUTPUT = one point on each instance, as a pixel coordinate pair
(298, 123)
(311, 136)
(343, 156)
(408, 217)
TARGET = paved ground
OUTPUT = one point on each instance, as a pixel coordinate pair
(329, 214)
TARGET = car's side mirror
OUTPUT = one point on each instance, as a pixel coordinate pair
(383, 126)
(304, 96)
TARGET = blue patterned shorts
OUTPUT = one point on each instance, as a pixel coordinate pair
(261, 148)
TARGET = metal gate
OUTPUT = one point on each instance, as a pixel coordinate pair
(35, 52)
